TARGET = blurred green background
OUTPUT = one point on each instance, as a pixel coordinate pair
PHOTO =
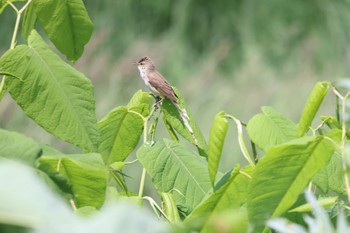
(230, 55)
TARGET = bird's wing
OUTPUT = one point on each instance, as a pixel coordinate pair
(162, 85)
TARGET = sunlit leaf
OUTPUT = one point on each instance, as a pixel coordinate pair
(86, 173)
(52, 93)
(324, 202)
(18, 147)
(311, 107)
(282, 174)
(175, 169)
(216, 142)
(172, 117)
(230, 193)
(170, 208)
(121, 129)
(120, 133)
(140, 98)
(270, 128)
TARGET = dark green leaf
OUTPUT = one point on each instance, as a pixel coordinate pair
(66, 23)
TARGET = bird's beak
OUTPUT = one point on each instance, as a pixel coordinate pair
(135, 63)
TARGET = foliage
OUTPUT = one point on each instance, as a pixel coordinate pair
(196, 196)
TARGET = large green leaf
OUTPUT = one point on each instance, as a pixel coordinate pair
(175, 169)
(229, 194)
(19, 147)
(270, 128)
(121, 129)
(66, 23)
(52, 93)
(27, 202)
(218, 132)
(172, 117)
(86, 174)
(282, 174)
(311, 107)
(120, 133)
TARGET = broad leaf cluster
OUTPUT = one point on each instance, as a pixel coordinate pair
(285, 159)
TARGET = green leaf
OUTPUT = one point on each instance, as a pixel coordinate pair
(171, 130)
(85, 173)
(230, 193)
(217, 136)
(66, 23)
(140, 98)
(118, 177)
(175, 169)
(270, 128)
(52, 93)
(324, 202)
(19, 147)
(121, 129)
(170, 208)
(312, 105)
(331, 177)
(27, 202)
(120, 133)
(172, 117)
(8, 74)
(282, 174)
(29, 21)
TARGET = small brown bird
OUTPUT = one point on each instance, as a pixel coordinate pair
(161, 87)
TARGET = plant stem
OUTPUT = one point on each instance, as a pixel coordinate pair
(14, 35)
(145, 130)
(343, 140)
(143, 176)
(241, 140)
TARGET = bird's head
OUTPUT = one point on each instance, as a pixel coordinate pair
(144, 64)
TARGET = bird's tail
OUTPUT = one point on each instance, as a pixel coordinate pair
(185, 118)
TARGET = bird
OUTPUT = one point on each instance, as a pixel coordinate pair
(160, 87)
